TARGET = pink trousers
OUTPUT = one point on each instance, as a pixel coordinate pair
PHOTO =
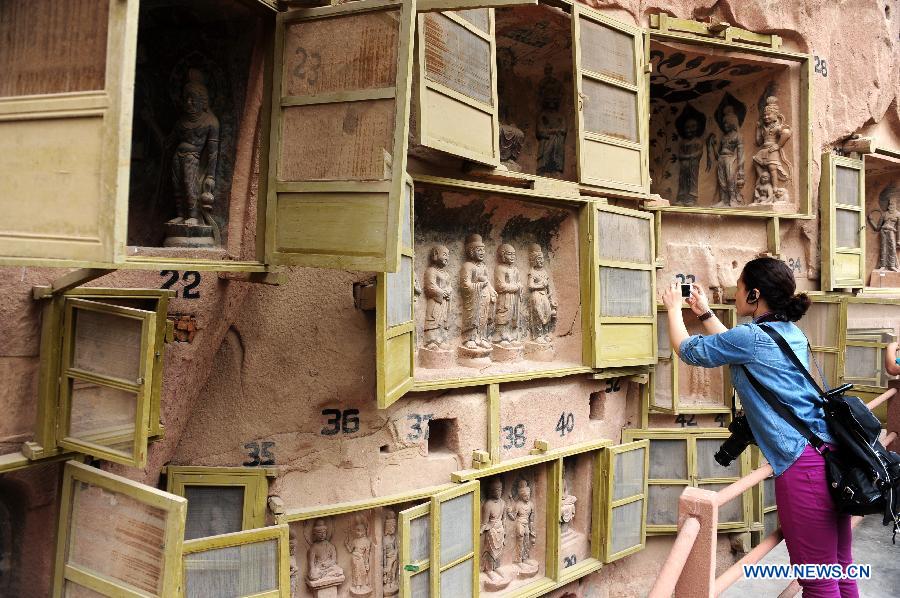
(814, 532)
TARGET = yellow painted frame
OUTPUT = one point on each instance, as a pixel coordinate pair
(605, 503)
(472, 489)
(665, 27)
(427, 87)
(832, 277)
(640, 88)
(279, 533)
(174, 506)
(606, 355)
(321, 205)
(839, 332)
(866, 391)
(141, 388)
(408, 567)
(690, 436)
(254, 481)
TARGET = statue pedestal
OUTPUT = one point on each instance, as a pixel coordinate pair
(494, 581)
(778, 207)
(511, 352)
(362, 592)
(539, 351)
(391, 589)
(188, 235)
(473, 358)
(327, 587)
(435, 358)
(528, 568)
(884, 279)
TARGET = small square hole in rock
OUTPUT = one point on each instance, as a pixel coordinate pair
(443, 436)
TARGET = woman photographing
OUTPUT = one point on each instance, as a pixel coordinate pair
(814, 532)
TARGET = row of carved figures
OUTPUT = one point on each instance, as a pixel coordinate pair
(490, 307)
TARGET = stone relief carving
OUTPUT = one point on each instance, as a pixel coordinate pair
(479, 300)
(885, 222)
(728, 152)
(390, 563)
(521, 511)
(691, 125)
(324, 571)
(194, 169)
(567, 510)
(551, 126)
(509, 291)
(772, 133)
(512, 138)
(437, 291)
(542, 306)
(359, 545)
(493, 537)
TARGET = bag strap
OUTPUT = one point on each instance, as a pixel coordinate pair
(786, 348)
(785, 413)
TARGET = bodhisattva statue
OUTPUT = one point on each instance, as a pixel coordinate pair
(390, 570)
(359, 546)
(542, 303)
(567, 510)
(772, 133)
(322, 559)
(437, 296)
(194, 168)
(511, 137)
(479, 298)
(887, 225)
(729, 158)
(551, 125)
(522, 512)
(509, 289)
(493, 536)
(690, 150)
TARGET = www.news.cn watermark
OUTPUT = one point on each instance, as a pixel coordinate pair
(835, 571)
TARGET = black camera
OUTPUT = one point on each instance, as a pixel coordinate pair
(741, 437)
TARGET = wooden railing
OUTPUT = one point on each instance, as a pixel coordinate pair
(689, 570)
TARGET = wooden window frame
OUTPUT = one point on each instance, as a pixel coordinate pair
(408, 567)
(604, 356)
(831, 253)
(605, 504)
(693, 480)
(839, 334)
(279, 533)
(864, 391)
(471, 488)
(666, 28)
(175, 507)
(254, 481)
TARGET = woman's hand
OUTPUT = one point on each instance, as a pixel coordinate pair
(671, 297)
(698, 301)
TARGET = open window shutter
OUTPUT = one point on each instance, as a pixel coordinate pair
(626, 468)
(842, 193)
(625, 288)
(249, 563)
(395, 329)
(664, 379)
(415, 551)
(612, 89)
(455, 522)
(117, 537)
(65, 129)
(340, 120)
(106, 380)
(457, 85)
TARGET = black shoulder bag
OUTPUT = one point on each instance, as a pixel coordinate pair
(863, 476)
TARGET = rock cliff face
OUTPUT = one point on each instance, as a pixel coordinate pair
(267, 363)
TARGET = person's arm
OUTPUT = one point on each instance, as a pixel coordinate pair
(890, 360)
(699, 304)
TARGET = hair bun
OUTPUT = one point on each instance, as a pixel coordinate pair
(797, 306)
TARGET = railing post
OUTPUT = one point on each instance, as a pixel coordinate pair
(893, 415)
(699, 575)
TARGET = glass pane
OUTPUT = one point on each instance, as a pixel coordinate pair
(730, 512)
(420, 584)
(107, 344)
(707, 467)
(399, 293)
(770, 522)
(457, 58)
(117, 536)
(73, 590)
(103, 415)
(456, 528)
(607, 51)
(629, 474)
(662, 504)
(668, 460)
(406, 217)
(662, 385)
(847, 228)
(768, 493)
(623, 238)
(820, 324)
(420, 538)
(625, 292)
(457, 580)
(626, 525)
(664, 345)
(609, 110)
(232, 572)
(213, 510)
(476, 16)
(861, 363)
(34, 62)
(846, 185)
